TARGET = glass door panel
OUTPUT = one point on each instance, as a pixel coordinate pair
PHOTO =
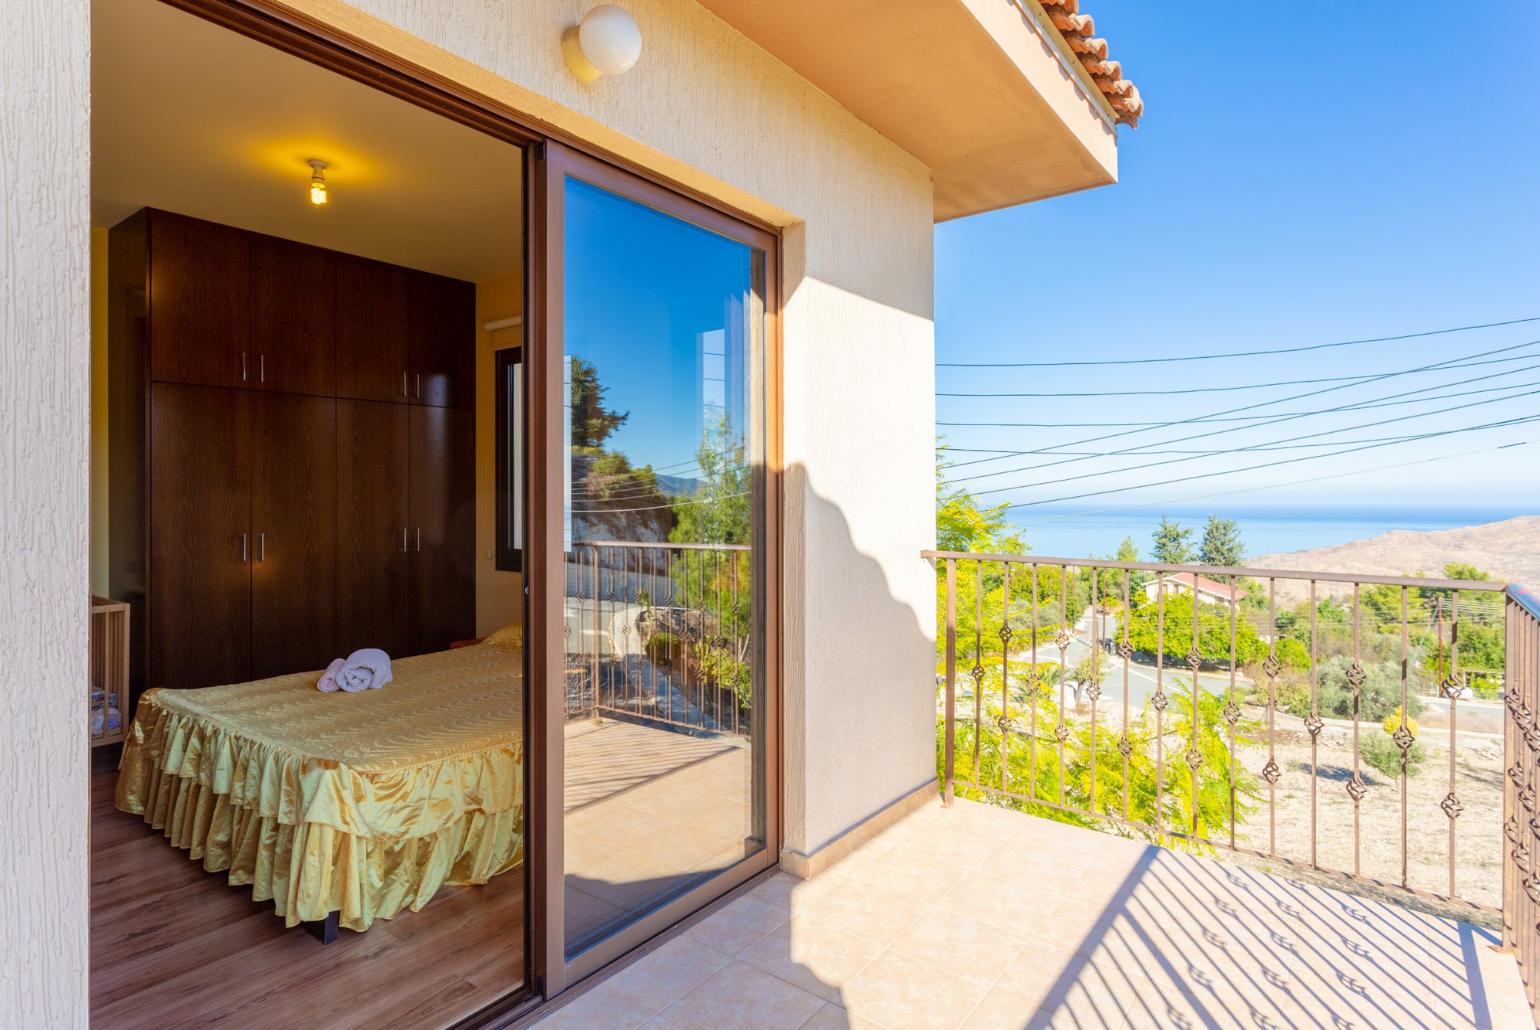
(664, 684)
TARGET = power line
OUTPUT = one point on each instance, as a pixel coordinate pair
(1230, 354)
(1271, 444)
(1271, 464)
(1276, 486)
(1272, 420)
(1218, 451)
(1185, 390)
(659, 507)
(1003, 453)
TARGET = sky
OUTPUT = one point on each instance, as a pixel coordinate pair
(1300, 177)
(665, 336)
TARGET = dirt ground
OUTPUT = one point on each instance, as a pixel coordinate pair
(1478, 829)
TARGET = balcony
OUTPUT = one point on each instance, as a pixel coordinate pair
(1165, 801)
(981, 917)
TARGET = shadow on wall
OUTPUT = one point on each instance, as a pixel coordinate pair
(859, 652)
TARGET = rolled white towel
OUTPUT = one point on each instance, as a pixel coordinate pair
(328, 681)
(368, 668)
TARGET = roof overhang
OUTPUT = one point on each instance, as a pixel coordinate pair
(985, 92)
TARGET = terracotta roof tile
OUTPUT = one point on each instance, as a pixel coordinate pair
(1079, 31)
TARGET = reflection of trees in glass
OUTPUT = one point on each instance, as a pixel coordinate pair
(718, 582)
(592, 422)
(611, 500)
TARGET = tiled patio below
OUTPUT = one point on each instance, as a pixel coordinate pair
(980, 917)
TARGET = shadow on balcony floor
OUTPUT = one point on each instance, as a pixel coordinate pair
(981, 917)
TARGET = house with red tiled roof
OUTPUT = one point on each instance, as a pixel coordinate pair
(1209, 590)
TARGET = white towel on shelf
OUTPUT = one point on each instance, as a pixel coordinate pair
(328, 680)
(368, 668)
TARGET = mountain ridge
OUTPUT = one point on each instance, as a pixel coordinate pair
(1508, 551)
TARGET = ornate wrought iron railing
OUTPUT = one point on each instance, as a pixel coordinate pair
(1268, 712)
(1521, 815)
(660, 632)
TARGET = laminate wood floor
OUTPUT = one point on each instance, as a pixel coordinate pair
(175, 946)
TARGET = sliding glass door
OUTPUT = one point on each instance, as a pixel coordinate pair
(664, 688)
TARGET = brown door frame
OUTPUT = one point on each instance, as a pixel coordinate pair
(279, 26)
(553, 164)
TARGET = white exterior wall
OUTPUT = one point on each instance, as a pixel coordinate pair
(45, 403)
(705, 107)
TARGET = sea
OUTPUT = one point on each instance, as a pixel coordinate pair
(1268, 529)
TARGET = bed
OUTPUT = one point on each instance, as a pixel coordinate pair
(340, 808)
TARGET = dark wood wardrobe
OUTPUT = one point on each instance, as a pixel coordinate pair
(291, 457)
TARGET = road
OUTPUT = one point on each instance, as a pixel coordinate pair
(1142, 676)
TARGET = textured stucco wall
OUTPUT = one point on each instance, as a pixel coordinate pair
(707, 107)
(45, 354)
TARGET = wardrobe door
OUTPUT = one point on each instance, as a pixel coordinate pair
(200, 302)
(293, 308)
(372, 528)
(294, 522)
(443, 341)
(441, 504)
(371, 330)
(200, 542)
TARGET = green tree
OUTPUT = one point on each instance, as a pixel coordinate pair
(963, 525)
(1221, 543)
(1171, 543)
(1109, 582)
(1084, 777)
(1213, 632)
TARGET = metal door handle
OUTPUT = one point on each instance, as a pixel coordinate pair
(261, 368)
(243, 366)
(244, 554)
(261, 547)
(419, 538)
(419, 386)
(403, 528)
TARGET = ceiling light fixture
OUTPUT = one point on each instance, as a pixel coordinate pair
(606, 42)
(317, 181)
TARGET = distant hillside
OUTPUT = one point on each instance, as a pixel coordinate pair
(1508, 551)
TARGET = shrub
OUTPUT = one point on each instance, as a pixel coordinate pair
(1390, 723)
(1293, 696)
(1380, 752)
(1293, 654)
(1379, 696)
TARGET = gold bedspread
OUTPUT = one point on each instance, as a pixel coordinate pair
(361, 803)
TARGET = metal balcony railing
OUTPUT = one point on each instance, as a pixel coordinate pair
(1169, 695)
(660, 632)
(1521, 816)
(1181, 762)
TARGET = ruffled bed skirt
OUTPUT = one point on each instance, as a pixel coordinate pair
(283, 823)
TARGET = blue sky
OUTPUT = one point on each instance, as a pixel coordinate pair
(655, 329)
(1302, 176)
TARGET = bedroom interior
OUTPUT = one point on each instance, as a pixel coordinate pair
(311, 447)
(293, 460)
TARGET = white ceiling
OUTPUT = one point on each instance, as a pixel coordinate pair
(190, 117)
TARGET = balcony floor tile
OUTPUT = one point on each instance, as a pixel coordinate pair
(980, 917)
